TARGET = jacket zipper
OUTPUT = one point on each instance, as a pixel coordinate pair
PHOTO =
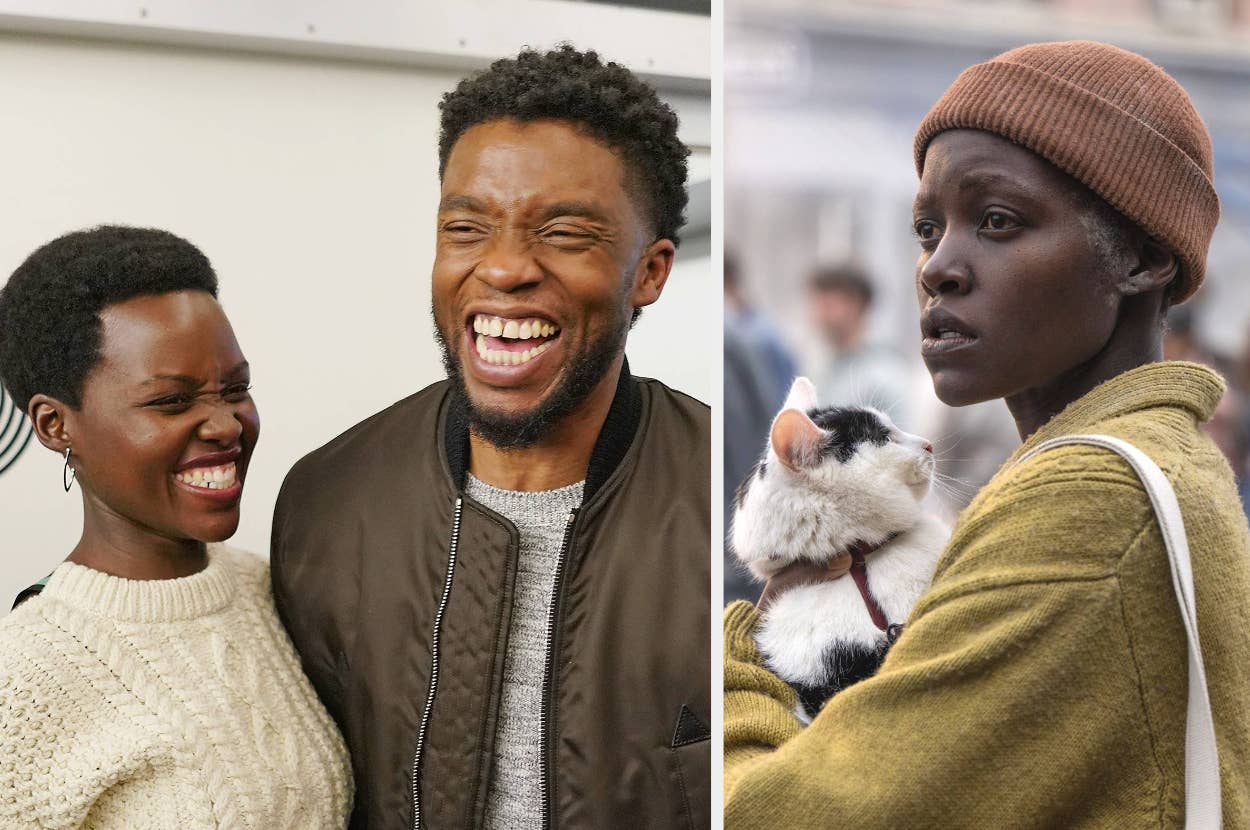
(434, 645)
(545, 716)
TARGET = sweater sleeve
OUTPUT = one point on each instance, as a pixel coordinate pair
(59, 750)
(1011, 694)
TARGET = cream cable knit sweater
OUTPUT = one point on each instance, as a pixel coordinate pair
(165, 704)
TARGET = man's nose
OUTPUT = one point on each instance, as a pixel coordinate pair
(508, 263)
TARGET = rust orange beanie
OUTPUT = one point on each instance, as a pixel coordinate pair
(1110, 119)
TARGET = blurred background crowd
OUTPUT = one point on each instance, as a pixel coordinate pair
(821, 101)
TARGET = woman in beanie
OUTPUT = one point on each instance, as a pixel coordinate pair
(1065, 202)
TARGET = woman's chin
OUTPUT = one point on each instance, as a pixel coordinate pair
(954, 390)
(218, 530)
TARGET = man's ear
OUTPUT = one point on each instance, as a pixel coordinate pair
(1154, 267)
(652, 272)
(49, 417)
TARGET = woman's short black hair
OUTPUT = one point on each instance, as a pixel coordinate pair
(606, 100)
(50, 307)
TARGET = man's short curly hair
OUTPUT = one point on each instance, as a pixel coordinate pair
(607, 101)
(50, 308)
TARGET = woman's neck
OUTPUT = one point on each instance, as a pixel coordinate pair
(1136, 341)
(118, 546)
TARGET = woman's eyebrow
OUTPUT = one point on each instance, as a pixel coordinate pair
(979, 179)
(183, 379)
(188, 380)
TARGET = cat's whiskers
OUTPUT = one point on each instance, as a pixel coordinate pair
(953, 486)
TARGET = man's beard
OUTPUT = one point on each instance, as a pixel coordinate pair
(513, 431)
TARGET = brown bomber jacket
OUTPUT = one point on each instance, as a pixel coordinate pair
(363, 534)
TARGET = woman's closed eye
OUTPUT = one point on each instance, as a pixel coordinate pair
(181, 400)
(233, 393)
(236, 392)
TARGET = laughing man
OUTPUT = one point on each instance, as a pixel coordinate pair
(499, 585)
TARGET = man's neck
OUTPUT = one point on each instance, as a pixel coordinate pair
(559, 459)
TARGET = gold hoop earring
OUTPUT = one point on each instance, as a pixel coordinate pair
(68, 474)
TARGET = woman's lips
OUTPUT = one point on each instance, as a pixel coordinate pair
(944, 342)
(217, 483)
(942, 332)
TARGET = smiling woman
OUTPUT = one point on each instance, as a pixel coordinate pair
(148, 678)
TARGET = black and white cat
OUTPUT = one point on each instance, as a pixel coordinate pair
(834, 480)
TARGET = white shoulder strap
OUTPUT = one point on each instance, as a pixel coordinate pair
(1202, 766)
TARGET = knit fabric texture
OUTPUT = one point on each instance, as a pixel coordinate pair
(1041, 681)
(1110, 119)
(162, 704)
(541, 517)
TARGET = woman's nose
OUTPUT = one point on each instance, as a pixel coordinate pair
(945, 270)
(222, 425)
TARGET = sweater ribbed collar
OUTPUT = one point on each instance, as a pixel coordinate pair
(146, 600)
(1174, 384)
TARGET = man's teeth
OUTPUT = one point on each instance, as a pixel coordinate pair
(512, 329)
(209, 478)
(509, 358)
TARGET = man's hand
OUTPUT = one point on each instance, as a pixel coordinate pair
(802, 573)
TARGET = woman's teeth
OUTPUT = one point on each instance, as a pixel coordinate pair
(512, 329)
(210, 478)
(509, 358)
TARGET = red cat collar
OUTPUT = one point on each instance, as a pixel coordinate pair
(859, 572)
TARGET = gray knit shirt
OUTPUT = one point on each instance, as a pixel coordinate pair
(515, 796)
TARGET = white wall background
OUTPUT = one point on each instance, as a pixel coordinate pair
(311, 184)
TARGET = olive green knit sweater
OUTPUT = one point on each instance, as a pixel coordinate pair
(1041, 681)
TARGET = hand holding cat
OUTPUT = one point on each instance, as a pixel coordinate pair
(802, 572)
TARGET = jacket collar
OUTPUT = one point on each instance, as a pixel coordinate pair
(1169, 384)
(613, 442)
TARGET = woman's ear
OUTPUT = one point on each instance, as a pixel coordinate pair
(49, 417)
(1153, 267)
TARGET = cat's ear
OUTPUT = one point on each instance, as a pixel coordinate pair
(796, 439)
(802, 395)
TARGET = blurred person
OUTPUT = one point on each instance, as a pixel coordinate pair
(501, 584)
(759, 336)
(1180, 338)
(749, 410)
(758, 372)
(148, 682)
(1227, 429)
(1229, 426)
(1042, 679)
(853, 371)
